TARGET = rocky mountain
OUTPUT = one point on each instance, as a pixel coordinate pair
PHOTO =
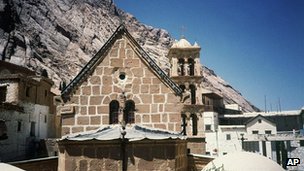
(60, 36)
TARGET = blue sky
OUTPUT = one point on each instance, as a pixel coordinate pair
(255, 45)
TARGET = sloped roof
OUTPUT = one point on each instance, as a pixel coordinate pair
(259, 116)
(99, 56)
(133, 133)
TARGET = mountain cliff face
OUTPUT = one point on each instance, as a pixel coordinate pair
(60, 36)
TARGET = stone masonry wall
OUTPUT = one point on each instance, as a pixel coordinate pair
(106, 155)
(155, 102)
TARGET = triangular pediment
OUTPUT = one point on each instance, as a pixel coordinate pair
(101, 55)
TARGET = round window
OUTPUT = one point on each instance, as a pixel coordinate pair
(122, 76)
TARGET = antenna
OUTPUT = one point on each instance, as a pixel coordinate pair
(280, 104)
(265, 102)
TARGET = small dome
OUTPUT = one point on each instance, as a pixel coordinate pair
(240, 161)
(182, 43)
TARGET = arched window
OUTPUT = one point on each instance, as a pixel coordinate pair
(181, 70)
(184, 124)
(191, 66)
(129, 111)
(194, 124)
(3, 130)
(193, 94)
(114, 108)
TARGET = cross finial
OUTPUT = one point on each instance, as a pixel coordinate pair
(182, 31)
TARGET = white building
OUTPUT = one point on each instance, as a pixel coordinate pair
(26, 112)
(275, 135)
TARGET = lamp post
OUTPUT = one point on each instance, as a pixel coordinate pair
(123, 133)
(242, 140)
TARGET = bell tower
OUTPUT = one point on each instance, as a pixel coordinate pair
(186, 72)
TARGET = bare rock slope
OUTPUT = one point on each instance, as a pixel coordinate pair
(60, 36)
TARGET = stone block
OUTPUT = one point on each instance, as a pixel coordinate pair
(154, 108)
(136, 81)
(143, 108)
(155, 118)
(135, 88)
(171, 98)
(116, 63)
(131, 63)
(146, 80)
(117, 90)
(77, 92)
(83, 110)
(146, 98)
(149, 73)
(156, 81)
(161, 108)
(138, 72)
(96, 90)
(114, 53)
(65, 130)
(92, 110)
(165, 89)
(95, 120)
(144, 88)
(83, 120)
(99, 70)
(174, 118)
(105, 119)
(106, 90)
(129, 54)
(107, 80)
(70, 165)
(105, 62)
(83, 100)
(89, 128)
(164, 118)
(102, 109)
(122, 53)
(95, 100)
(136, 100)
(158, 98)
(95, 165)
(77, 129)
(86, 90)
(154, 89)
(160, 126)
(137, 119)
(95, 80)
(108, 71)
(171, 108)
(70, 120)
(146, 118)
(171, 126)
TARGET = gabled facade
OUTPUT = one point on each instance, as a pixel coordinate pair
(121, 83)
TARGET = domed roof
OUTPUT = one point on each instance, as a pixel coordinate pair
(240, 161)
(183, 43)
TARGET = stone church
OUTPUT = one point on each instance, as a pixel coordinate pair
(121, 84)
